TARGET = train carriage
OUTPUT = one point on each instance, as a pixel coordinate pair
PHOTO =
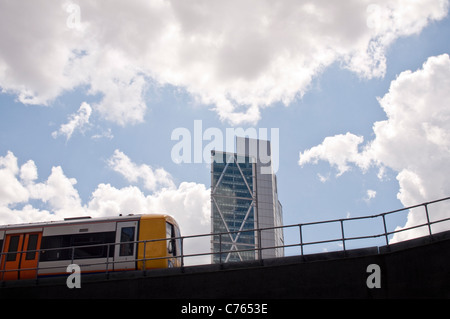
(123, 243)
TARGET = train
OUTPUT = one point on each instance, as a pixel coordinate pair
(107, 244)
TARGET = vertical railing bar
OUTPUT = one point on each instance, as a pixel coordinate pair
(220, 248)
(385, 229)
(37, 265)
(144, 261)
(342, 231)
(259, 244)
(182, 251)
(428, 218)
(301, 239)
(107, 261)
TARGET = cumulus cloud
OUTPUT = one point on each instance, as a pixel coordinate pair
(370, 194)
(77, 121)
(28, 172)
(414, 141)
(24, 199)
(104, 134)
(11, 189)
(339, 150)
(18, 187)
(151, 178)
(236, 56)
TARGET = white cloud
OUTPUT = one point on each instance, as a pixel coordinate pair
(26, 214)
(122, 86)
(322, 178)
(339, 150)
(110, 201)
(370, 194)
(413, 141)
(77, 121)
(151, 178)
(28, 172)
(237, 56)
(59, 192)
(37, 51)
(11, 189)
(103, 134)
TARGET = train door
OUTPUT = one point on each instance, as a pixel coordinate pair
(20, 257)
(125, 249)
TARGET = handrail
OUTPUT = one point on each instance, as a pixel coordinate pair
(110, 262)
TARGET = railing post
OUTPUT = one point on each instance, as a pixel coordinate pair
(144, 262)
(342, 231)
(385, 229)
(182, 251)
(301, 239)
(259, 244)
(428, 218)
(37, 266)
(220, 248)
(107, 260)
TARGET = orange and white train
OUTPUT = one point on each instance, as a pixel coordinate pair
(123, 243)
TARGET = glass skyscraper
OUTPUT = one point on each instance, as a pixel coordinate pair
(244, 199)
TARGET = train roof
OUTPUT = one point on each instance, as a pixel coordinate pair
(85, 219)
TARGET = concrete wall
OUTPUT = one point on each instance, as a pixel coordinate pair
(413, 269)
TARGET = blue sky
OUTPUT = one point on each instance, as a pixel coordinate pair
(314, 71)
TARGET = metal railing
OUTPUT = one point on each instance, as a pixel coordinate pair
(299, 245)
(342, 238)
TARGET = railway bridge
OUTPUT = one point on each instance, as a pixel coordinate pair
(414, 268)
(417, 268)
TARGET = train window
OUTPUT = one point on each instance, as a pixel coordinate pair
(127, 235)
(170, 233)
(49, 243)
(66, 242)
(12, 249)
(87, 241)
(32, 245)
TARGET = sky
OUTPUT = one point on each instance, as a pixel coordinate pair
(110, 108)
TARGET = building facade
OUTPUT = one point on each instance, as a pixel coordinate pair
(244, 197)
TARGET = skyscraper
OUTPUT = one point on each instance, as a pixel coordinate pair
(244, 197)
